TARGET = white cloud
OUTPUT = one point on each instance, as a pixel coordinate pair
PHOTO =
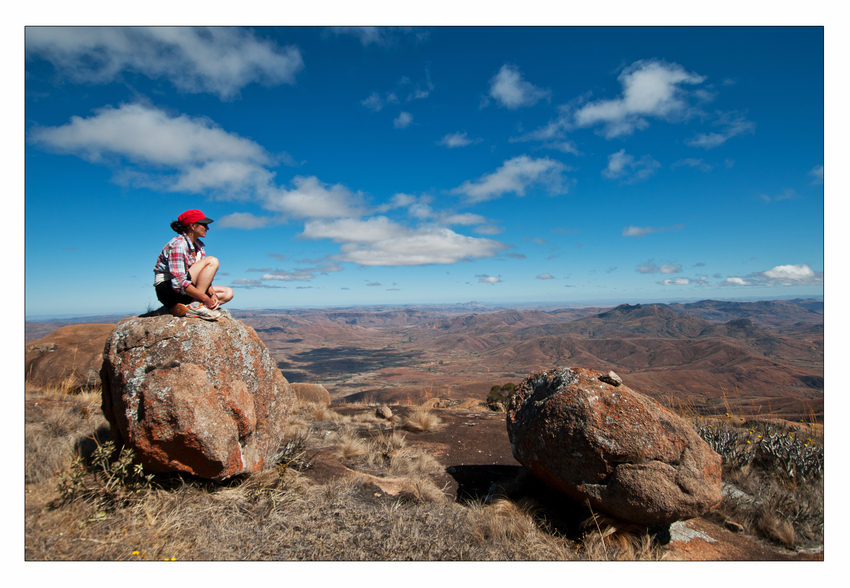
(466, 218)
(511, 91)
(485, 279)
(545, 277)
(736, 281)
(144, 134)
(244, 220)
(732, 123)
(516, 175)
(379, 241)
(648, 268)
(403, 120)
(375, 103)
(789, 275)
(651, 88)
(151, 144)
(217, 60)
(670, 268)
(382, 36)
(624, 166)
(633, 231)
(366, 35)
(454, 140)
(312, 198)
(675, 282)
(193, 155)
(817, 172)
(489, 230)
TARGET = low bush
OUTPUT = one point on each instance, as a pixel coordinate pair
(773, 480)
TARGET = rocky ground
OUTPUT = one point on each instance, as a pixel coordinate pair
(472, 443)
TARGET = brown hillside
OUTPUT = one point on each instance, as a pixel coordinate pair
(70, 356)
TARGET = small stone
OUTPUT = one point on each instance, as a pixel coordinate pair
(611, 378)
(384, 412)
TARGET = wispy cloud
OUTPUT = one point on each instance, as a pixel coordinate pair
(244, 220)
(454, 140)
(732, 124)
(516, 176)
(485, 279)
(787, 194)
(649, 267)
(633, 231)
(692, 162)
(625, 167)
(512, 91)
(302, 274)
(817, 173)
(217, 60)
(403, 120)
(545, 277)
(380, 36)
(375, 102)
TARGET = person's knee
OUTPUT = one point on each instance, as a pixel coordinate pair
(225, 294)
(211, 262)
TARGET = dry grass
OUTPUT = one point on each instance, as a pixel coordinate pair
(274, 515)
(281, 514)
(420, 420)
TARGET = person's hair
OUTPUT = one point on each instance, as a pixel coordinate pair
(177, 227)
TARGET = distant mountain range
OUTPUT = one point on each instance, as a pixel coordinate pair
(707, 356)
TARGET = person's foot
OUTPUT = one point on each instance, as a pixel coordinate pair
(198, 310)
(178, 310)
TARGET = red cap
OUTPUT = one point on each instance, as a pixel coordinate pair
(193, 216)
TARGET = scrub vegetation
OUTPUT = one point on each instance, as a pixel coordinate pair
(86, 501)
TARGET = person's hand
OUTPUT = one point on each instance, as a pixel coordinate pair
(212, 303)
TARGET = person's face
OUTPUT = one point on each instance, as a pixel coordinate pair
(200, 229)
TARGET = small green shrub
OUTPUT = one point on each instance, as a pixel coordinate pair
(500, 396)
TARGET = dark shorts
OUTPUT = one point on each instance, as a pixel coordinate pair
(166, 294)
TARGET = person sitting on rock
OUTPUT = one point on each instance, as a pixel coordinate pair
(184, 272)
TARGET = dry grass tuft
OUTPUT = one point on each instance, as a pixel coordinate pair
(351, 448)
(421, 421)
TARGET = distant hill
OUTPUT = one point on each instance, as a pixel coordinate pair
(770, 313)
(709, 354)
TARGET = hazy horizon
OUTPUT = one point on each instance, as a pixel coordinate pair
(478, 303)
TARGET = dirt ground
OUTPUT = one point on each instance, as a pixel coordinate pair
(473, 446)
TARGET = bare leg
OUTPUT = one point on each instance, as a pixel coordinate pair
(203, 272)
(223, 293)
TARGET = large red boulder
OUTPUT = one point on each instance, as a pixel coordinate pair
(187, 395)
(584, 433)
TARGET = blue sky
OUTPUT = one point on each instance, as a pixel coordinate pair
(416, 165)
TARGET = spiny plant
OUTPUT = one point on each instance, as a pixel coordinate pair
(786, 453)
(102, 479)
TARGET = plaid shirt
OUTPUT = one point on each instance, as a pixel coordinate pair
(173, 263)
